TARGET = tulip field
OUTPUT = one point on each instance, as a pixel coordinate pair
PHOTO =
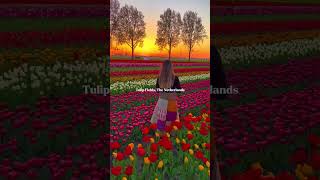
(49, 128)
(139, 150)
(270, 129)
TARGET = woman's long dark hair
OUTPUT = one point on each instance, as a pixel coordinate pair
(166, 76)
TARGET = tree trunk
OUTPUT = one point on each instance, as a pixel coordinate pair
(189, 54)
(170, 53)
(132, 49)
(132, 53)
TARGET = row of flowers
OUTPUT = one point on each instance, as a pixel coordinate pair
(56, 79)
(156, 72)
(263, 10)
(259, 79)
(264, 53)
(128, 86)
(134, 99)
(124, 122)
(254, 27)
(50, 56)
(35, 39)
(55, 139)
(36, 11)
(263, 38)
(148, 76)
(305, 165)
(182, 151)
(281, 116)
(138, 64)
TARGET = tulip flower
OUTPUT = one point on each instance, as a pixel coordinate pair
(129, 170)
(116, 170)
(131, 158)
(146, 160)
(190, 151)
(160, 164)
(186, 160)
(201, 168)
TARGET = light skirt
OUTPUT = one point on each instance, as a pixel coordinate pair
(165, 111)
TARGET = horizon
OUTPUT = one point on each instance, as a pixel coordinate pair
(151, 11)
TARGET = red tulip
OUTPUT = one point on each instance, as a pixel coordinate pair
(116, 170)
(145, 131)
(153, 126)
(153, 157)
(129, 170)
(115, 145)
(141, 152)
(189, 136)
(119, 156)
(185, 146)
(128, 151)
(199, 154)
(154, 147)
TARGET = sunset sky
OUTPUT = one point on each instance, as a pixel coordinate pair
(151, 10)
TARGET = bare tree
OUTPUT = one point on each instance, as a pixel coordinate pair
(193, 32)
(113, 22)
(132, 28)
(169, 30)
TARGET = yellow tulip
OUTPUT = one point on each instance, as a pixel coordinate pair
(208, 164)
(186, 160)
(198, 128)
(201, 168)
(124, 178)
(307, 170)
(177, 140)
(191, 151)
(208, 172)
(131, 145)
(175, 128)
(114, 154)
(151, 140)
(161, 151)
(139, 145)
(184, 141)
(196, 146)
(203, 145)
(157, 134)
(156, 179)
(160, 164)
(168, 135)
(146, 160)
(189, 132)
(131, 158)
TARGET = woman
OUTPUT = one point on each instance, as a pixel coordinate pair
(166, 110)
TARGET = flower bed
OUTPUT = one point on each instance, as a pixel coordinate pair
(182, 152)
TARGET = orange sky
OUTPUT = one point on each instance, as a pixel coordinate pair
(151, 11)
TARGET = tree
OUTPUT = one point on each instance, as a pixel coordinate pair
(131, 29)
(114, 12)
(193, 31)
(168, 30)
